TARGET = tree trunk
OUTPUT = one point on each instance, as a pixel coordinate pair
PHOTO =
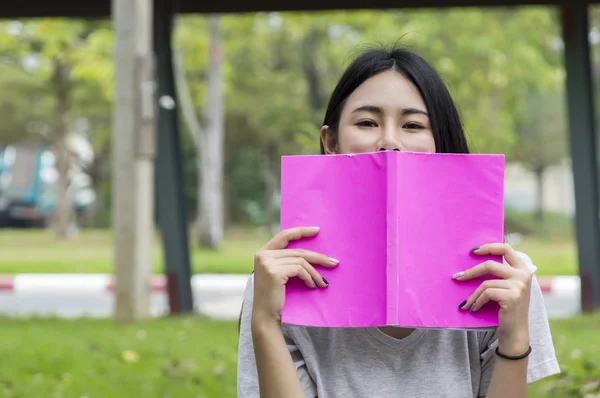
(270, 189)
(210, 226)
(199, 199)
(190, 118)
(310, 46)
(539, 178)
(96, 175)
(63, 215)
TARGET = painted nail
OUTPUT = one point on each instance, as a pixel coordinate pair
(458, 275)
(325, 281)
(475, 249)
(472, 308)
(333, 260)
(314, 284)
(462, 304)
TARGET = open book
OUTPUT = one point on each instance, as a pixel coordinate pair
(401, 224)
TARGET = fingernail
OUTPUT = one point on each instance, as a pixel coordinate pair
(314, 284)
(472, 308)
(475, 249)
(458, 275)
(462, 304)
(325, 281)
(333, 260)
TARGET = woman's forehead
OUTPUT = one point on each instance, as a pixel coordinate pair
(388, 89)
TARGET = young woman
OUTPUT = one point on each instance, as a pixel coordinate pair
(391, 101)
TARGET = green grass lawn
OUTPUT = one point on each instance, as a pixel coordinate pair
(195, 357)
(36, 251)
(25, 251)
(551, 256)
(577, 344)
(172, 358)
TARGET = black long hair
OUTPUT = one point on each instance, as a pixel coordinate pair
(446, 125)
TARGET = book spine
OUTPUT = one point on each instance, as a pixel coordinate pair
(392, 172)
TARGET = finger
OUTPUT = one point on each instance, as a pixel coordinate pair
(296, 270)
(488, 267)
(310, 256)
(490, 283)
(283, 238)
(492, 294)
(316, 277)
(501, 249)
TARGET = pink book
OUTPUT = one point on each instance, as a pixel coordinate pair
(401, 224)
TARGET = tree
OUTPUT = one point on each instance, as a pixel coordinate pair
(541, 139)
(48, 52)
(94, 69)
(208, 136)
(277, 73)
(22, 104)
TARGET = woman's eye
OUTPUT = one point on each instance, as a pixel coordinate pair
(413, 126)
(366, 123)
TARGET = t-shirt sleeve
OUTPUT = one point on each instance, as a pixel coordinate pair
(542, 360)
(247, 375)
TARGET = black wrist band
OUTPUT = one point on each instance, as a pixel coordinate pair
(513, 358)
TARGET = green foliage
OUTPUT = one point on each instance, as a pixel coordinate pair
(23, 105)
(279, 69)
(541, 132)
(246, 185)
(43, 57)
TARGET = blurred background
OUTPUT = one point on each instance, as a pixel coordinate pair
(504, 67)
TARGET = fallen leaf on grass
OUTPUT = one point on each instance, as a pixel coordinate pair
(130, 356)
(219, 369)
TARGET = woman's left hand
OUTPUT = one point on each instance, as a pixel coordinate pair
(512, 292)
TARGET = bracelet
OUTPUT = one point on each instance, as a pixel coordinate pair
(516, 358)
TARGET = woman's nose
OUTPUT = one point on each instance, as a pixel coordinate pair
(389, 143)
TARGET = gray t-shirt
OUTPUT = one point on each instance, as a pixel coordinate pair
(364, 362)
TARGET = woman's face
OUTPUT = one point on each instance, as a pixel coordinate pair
(386, 112)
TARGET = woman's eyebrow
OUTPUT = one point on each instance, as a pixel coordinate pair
(413, 111)
(369, 108)
(378, 110)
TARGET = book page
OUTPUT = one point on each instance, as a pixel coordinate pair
(449, 204)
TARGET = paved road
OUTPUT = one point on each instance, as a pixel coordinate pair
(213, 302)
(100, 305)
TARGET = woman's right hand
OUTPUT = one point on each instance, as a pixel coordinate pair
(274, 265)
